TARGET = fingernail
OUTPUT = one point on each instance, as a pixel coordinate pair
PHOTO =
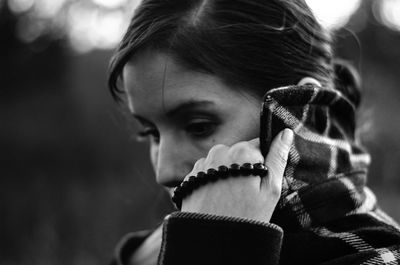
(287, 136)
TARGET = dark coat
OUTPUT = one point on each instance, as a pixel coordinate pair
(326, 214)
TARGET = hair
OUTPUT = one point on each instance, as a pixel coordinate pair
(254, 45)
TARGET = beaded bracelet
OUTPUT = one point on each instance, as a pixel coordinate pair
(212, 175)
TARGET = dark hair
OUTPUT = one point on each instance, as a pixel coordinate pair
(252, 44)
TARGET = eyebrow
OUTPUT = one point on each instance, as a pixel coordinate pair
(183, 107)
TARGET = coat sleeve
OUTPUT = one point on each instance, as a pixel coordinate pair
(194, 239)
(199, 239)
(127, 246)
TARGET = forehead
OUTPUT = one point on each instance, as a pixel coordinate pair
(154, 79)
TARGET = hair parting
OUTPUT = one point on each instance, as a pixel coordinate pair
(252, 45)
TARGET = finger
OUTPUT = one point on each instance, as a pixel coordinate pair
(255, 142)
(197, 166)
(217, 155)
(243, 152)
(276, 160)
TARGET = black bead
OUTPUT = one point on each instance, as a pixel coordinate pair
(248, 166)
(178, 191)
(258, 166)
(234, 170)
(264, 172)
(186, 188)
(246, 169)
(201, 177)
(201, 174)
(175, 198)
(212, 174)
(184, 184)
(223, 171)
(193, 182)
(260, 169)
(178, 204)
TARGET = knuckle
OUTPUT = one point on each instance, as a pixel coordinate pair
(282, 155)
(215, 154)
(275, 189)
(241, 144)
(239, 149)
(198, 163)
(216, 148)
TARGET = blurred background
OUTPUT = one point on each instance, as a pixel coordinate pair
(73, 180)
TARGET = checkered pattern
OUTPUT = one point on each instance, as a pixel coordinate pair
(324, 190)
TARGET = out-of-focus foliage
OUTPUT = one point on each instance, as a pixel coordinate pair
(84, 24)
(333, 14)
(99, 24)
(73, 181)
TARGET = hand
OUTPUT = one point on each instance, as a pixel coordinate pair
(147, 252)
(249, 197)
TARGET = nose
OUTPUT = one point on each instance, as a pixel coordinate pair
(173, 162)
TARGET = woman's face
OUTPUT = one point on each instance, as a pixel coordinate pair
(185, 113)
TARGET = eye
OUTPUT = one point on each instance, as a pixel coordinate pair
(147, 133)
(201, 129)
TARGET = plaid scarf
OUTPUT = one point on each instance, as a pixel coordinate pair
(325, 177)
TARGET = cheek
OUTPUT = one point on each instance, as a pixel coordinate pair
(237, 131)
(154, 155)
(249, 126)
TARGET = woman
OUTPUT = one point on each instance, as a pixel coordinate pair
(197, 74)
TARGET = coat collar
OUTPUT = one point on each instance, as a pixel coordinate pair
(327, 166)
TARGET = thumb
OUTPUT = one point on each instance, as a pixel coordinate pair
(276, 160)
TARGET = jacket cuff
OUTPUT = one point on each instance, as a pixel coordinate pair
(205, 239)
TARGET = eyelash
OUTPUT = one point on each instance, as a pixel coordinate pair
(190, 129)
